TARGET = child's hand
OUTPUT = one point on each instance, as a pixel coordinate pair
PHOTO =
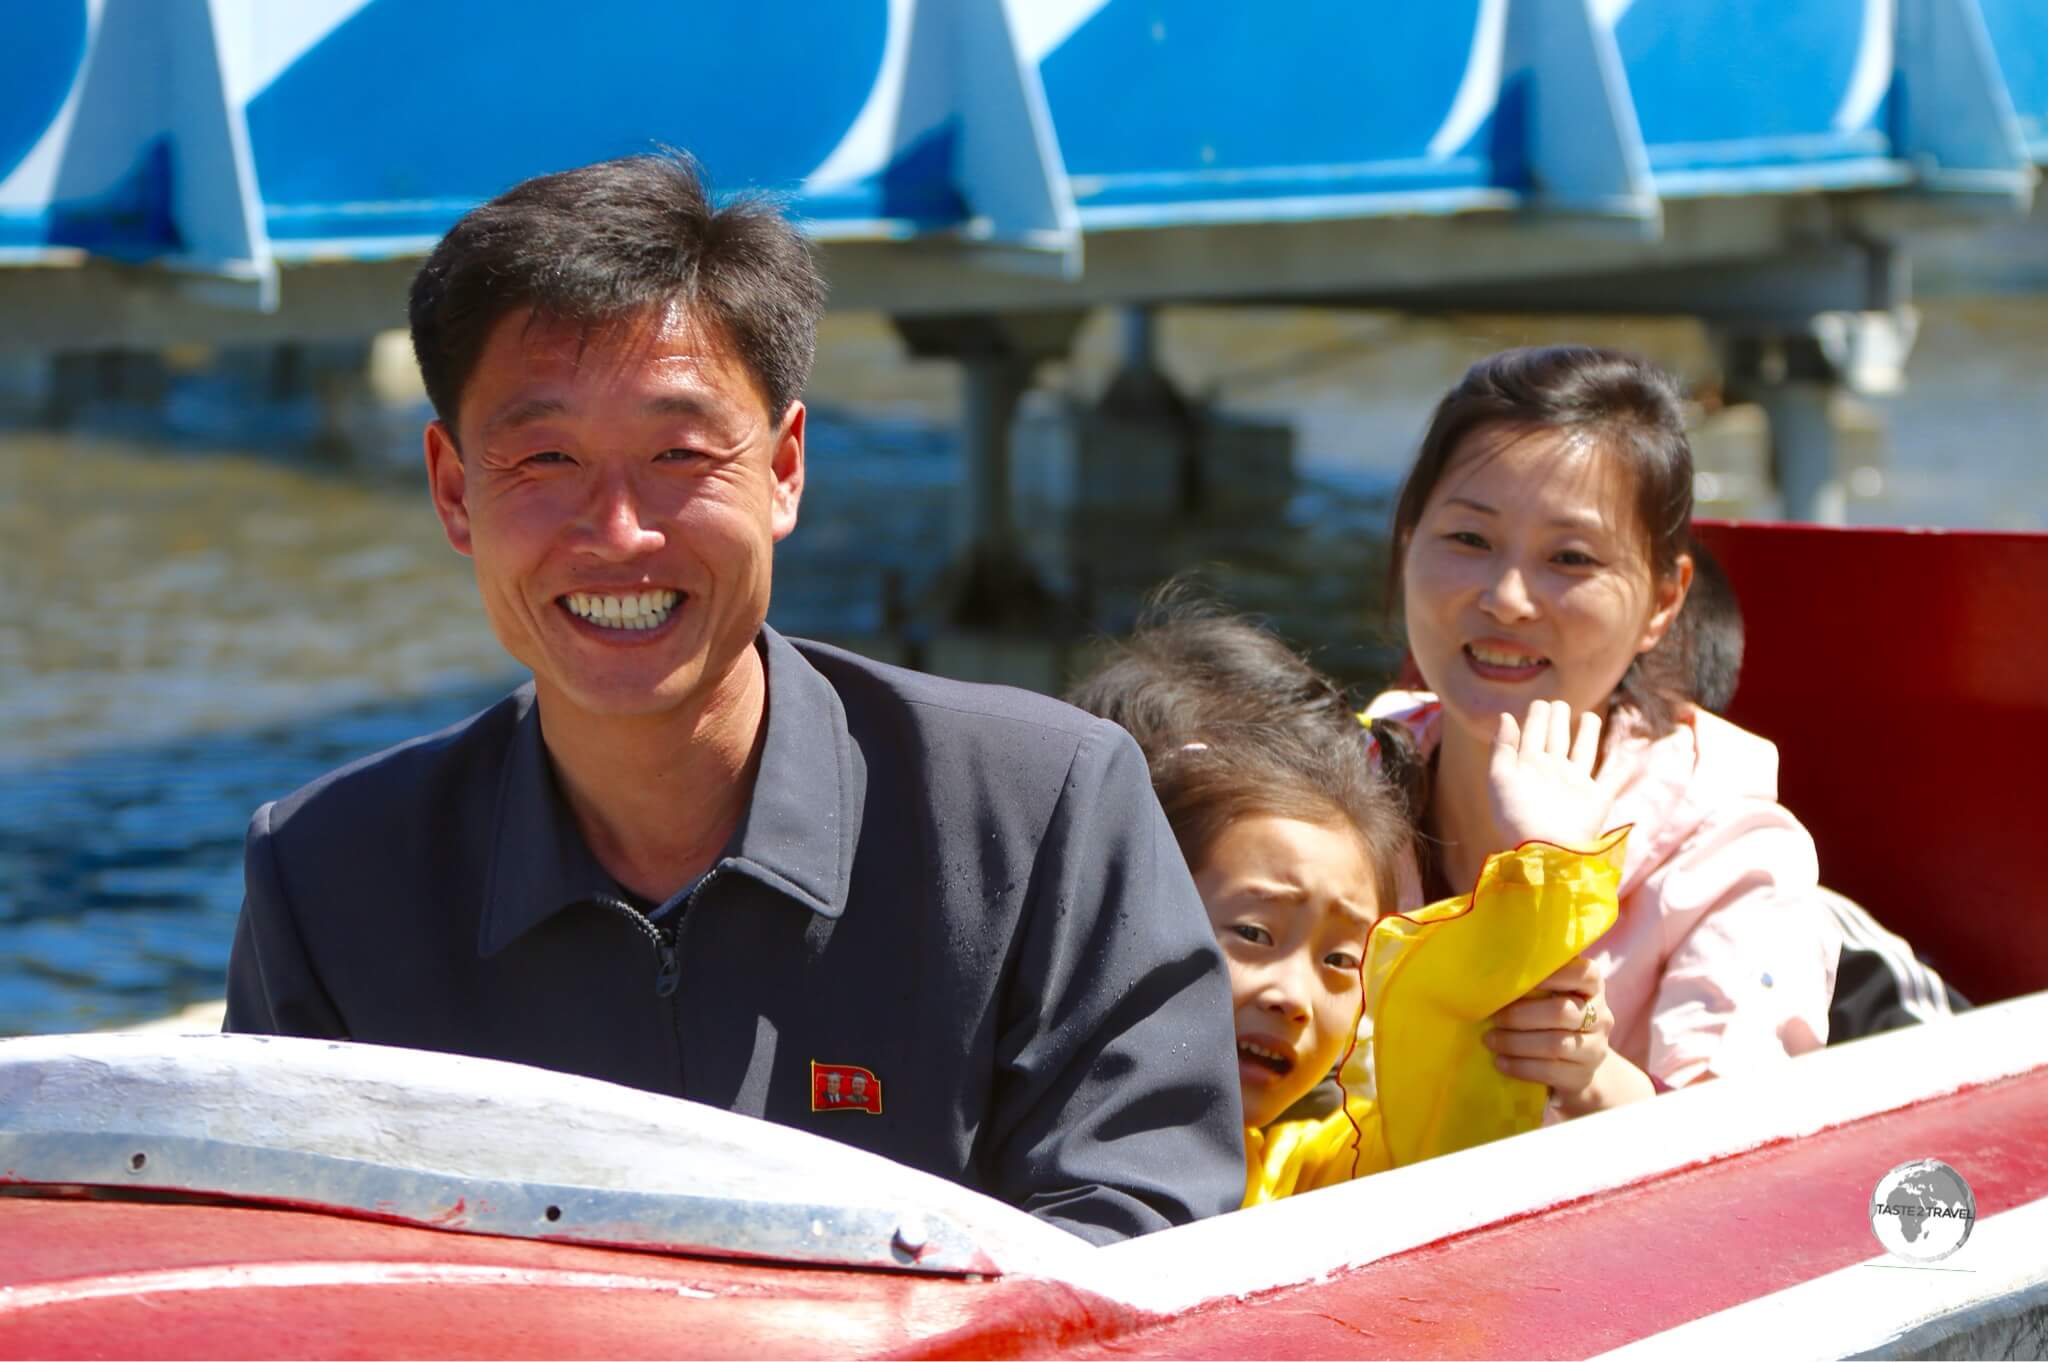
(1557, 1035)
(1540, 778)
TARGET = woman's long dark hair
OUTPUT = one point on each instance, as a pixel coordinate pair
(1631, 410)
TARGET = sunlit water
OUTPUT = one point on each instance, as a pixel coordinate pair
(187, 631)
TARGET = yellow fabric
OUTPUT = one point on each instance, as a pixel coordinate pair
(1433, 979)
(1302, 1156)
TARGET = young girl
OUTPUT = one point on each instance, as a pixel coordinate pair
(1297, 843)
(1540, 553)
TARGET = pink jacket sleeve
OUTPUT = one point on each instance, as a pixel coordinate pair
(1751, 969)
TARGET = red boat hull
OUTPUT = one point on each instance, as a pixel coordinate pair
(122, 1279)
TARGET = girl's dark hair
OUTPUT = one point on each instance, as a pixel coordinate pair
(1235, 724)
(1631, 409)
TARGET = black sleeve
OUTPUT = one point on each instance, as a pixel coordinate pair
(272, 986)
(1116, 1109)
(1875, 991)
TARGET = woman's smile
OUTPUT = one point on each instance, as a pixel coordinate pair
(1498, 661)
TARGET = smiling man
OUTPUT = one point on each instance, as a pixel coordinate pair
(946, 923)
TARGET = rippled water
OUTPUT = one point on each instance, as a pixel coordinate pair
(186, 631)
(123, 863)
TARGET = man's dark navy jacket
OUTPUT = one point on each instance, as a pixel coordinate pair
(967, 891)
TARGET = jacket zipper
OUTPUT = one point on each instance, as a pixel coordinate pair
(675, 1011)
(668, 966)
(668, 972)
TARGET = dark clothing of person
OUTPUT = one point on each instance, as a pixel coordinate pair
(1881, 983)
(1871, 997)
(968, 892)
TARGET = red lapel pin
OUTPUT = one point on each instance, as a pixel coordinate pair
(845, 1087)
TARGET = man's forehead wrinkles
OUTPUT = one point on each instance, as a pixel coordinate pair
(526, 411)
(627, 341)
(705, 422)
(684, 404)
(675, 384)
(676, 346)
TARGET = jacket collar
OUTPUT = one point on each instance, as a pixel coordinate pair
(796, 836)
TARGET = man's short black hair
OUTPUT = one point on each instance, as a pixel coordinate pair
(612, 241)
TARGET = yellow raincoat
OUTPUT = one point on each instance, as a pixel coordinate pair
(1433, 978)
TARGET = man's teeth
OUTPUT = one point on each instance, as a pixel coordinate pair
(635, 610)
(1498, 659)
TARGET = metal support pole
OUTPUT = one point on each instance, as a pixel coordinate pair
(984, 530)
(1789, 375)
(1803, 453)
(1141, 395)
(1140, 339)
(27, 386)
(990, 586)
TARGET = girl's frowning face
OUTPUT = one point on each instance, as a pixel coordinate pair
(1292, 904)
(1527, 578)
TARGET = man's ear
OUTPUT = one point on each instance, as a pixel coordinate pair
(449, 484)
(787, 468)
(1670, 600)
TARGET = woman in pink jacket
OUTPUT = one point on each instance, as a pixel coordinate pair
(1540, 551)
